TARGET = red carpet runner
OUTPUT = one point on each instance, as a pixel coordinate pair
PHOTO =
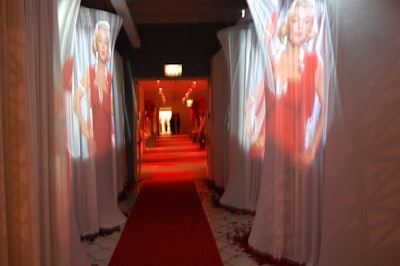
(167, 226)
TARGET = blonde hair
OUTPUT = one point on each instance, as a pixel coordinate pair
(284, 27)
(104, 25)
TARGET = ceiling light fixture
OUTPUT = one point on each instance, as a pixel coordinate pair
(186, 98)
(173, 70)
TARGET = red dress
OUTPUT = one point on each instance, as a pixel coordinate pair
(109, 215)
(101, 115)
(286, 115)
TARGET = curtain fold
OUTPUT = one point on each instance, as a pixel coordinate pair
(299, 88)
(131, 132)
(94, 108)
(242, 55)
(47, 120)
(3, 203)
(34, 186)
(218, 102)
(67, 16)
(119, 121)
(20, 207)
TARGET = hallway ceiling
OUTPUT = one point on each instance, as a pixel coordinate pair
(174, 12)
(173, 90)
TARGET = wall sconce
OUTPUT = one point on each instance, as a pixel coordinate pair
(173, 70)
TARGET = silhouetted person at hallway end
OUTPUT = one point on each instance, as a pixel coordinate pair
(172, 125)
(178, 124)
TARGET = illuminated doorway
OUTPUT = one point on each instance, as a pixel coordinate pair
(164, 116)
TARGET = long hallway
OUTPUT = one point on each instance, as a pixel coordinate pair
(179, 157)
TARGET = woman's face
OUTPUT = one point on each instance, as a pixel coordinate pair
(300, 25)
(103, 44)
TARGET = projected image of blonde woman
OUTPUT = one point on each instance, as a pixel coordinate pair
(287, 222)
(96, 124)
(298, 83)
(97, 82)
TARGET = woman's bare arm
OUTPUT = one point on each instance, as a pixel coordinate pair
(78, 94)
(309, 156)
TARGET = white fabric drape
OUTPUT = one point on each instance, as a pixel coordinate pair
(67, 15)
(242, 54)
(120, 148)
(219, 80)
(298, 85)
(35, 226)
(131, 132)
(361, 211)
(94, 159)
(19, 198)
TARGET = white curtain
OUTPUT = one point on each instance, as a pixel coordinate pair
(94, 108)
(20, 200)
(218, 106)
(242, 54)
(120, 148)
(298, 87)
(131, 113)
(67, 16)
(362, 185)
(35, 224)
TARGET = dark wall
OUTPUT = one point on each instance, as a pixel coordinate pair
(192, 45)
